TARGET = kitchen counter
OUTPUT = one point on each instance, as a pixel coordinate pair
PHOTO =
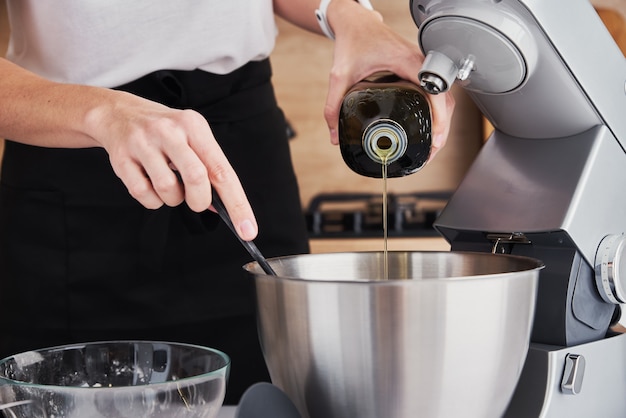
(227, 412)
(334, 245)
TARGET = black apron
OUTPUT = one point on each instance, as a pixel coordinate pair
(80, 259)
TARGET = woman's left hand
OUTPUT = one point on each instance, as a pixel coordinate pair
(364, 45)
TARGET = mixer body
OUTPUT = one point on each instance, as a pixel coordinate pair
(549, 181)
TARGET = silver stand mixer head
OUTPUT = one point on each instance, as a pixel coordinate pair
(547, 184)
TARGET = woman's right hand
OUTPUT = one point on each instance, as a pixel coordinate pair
(150, 146)
(167, 156)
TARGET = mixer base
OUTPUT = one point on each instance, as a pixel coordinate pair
(579, 381)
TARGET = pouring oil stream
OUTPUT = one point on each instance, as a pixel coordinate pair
(385, 226)
(383, 152)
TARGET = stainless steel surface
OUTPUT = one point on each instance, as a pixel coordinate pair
(438, 73)
(602, 387)
(496, 65)
(547, 173)
(574, 373)
(572, 72)
(558, 146)
(445, 337)
(566, 103)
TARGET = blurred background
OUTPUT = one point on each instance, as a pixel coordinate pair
(301, 64)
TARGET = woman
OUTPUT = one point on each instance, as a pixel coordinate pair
(121, 119)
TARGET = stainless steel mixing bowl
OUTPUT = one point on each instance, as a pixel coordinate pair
(113, 380)
(445, 336)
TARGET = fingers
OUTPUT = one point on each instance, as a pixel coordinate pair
(202, 165)
(179, 156)
(138, 183)
(173, 157)
(364, 49)
(337, 87)
(405, 66)
(225, 181)
(442, 106)
(164, 181)
(143, 168)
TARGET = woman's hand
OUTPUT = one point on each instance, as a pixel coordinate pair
(167, 156)
(162, 155)
(364, 45)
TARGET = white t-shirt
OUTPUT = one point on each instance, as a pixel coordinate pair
(111, 42)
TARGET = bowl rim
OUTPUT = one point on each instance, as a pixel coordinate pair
(222, 370)
(534, 264)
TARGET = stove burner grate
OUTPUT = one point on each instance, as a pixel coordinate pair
(345, 215)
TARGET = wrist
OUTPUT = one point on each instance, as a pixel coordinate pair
(321, 13)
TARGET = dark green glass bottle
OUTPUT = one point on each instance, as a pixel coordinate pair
(385, 119)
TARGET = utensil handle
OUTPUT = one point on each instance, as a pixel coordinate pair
(249, 245)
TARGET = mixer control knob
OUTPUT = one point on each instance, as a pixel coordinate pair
(610, 268)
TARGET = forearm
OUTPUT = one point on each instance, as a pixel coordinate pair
(145, 140)
(299, 12)
(340, 13)
(40, 112)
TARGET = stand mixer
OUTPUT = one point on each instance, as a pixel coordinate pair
(549, 183)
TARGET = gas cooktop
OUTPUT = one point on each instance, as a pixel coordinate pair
(346, 215)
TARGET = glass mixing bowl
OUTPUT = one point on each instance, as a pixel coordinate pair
(114, 379)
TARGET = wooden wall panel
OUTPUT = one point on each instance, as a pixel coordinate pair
(301, 64)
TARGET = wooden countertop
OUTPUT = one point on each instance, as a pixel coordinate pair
(334, 245)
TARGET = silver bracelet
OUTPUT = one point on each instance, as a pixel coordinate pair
(320, 14)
